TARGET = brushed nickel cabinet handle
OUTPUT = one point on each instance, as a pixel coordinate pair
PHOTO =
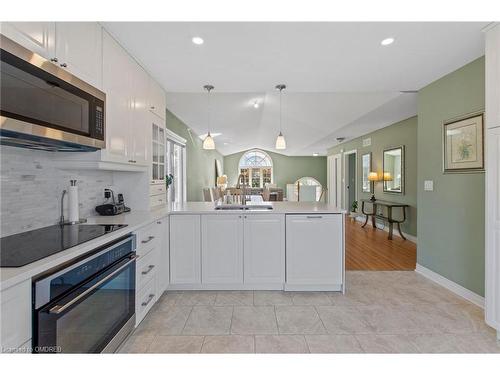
(54, 59)
(150, 238)
(64, 65)
(150, 267)
(150, 298)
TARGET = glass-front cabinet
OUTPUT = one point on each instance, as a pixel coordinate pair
(158, 159)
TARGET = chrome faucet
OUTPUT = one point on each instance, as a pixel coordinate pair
(242, 186)
(61, 218)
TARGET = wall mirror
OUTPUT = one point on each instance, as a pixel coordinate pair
(393, 165)
(366, 160)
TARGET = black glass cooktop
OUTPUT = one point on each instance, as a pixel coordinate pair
(27, 247)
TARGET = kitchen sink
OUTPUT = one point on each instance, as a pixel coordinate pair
(243, 207)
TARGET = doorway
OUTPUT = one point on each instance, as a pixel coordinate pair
(350, 179)
(335, 180)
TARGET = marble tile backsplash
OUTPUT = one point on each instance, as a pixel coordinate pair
(31, 189)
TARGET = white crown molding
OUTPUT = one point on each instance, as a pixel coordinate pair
(452, 286)
(174, 136)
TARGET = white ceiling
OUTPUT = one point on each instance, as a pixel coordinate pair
(341, 81)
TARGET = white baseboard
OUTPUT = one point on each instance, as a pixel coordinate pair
(470, 296)
(395, 232)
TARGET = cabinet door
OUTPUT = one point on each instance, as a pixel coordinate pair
(79, 50)
(164, 269)
(116, 85)
(222, 249)
(264, 249)
(185, 249)
(140, 136)
(15, 307)
(38, 37)
(314, 249)
(156, 97)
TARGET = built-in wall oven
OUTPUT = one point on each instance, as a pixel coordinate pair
(87, 306)
(45, 107)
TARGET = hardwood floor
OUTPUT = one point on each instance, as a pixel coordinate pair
(370, 250)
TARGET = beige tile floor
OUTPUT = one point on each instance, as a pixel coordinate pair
(382, 312)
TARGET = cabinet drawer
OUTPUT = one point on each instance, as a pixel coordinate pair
(145, 299)
(148, 238)
(15, 305)
(157, 200)
(147, 267)
(157, 189)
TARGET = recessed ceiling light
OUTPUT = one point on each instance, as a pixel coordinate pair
(315, 154)
(256, 104)
(387, 41)
(197, 40)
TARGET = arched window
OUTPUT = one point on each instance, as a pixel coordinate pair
(308, 181)
(256, 167)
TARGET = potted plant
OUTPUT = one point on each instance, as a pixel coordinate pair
(353, 213)
(169, 179)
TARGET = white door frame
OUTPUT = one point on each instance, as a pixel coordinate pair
(334, 179)
(344, 182)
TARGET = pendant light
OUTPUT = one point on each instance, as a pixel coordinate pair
(280, 140)
(208, 142)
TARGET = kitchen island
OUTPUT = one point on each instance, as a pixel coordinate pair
(292, 246)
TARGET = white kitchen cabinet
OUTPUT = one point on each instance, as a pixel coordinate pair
(185, 249)
(492, 78)
(222, 249)
(79, 50)
(314, 252)
(15, 307)
(157, 101)
(264, 249)
(38, 37)
(164, 269)
(116, 85)
(140, 137)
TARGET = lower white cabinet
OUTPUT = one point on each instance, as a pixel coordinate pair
(314, 252)
(264, 249)
(185, 249)
(164, 269)
(15, 307)
(222, 249)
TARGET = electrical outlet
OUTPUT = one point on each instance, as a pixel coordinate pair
(429, 185)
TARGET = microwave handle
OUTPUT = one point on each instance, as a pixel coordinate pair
(57, 309)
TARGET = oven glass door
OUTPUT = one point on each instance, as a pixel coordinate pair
(85, 320)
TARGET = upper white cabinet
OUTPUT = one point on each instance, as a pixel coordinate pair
(314, 251)
(140, 138)
(117, 85)
(38, 37)
(185, 249)
(156, 99)
(222, 249)
(75, 46)
(79, 50)
(492, 71)
(264, 249)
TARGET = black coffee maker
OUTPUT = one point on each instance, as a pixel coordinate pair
(111, 206)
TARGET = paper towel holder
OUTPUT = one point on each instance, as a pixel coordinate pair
(62, 220)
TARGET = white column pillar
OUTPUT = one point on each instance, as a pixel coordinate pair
(492, 144)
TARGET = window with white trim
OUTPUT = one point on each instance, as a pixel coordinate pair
(308, 181)
(256, 167)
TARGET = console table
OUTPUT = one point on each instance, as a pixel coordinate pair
(389, 206)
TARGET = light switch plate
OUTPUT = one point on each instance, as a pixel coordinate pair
(429, 185)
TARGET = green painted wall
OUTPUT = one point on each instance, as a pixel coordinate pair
(400, 133)
(200, 163)
(450, 218)
(286, 169)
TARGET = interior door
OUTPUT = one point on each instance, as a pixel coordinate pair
(335, 180)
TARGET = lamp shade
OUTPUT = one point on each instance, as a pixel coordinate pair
(387, 176)
(280, 142)
(373, 176)
(208, 142)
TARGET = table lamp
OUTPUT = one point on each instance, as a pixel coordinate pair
(373, 177)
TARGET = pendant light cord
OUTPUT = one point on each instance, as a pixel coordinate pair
(281, 89)
(209, 88)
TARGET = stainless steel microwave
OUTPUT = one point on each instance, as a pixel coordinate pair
(44, 107)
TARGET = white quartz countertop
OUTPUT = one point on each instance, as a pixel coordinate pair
(10, 276)
(278, 208)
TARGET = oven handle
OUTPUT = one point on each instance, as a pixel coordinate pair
(59, 309)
